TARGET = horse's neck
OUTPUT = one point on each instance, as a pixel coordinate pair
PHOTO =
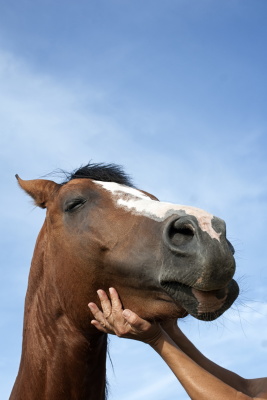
(58, 362)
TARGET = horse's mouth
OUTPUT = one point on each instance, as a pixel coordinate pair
(203, 305)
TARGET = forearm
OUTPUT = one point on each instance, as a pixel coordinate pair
(199, 383)
(221, 373)
(195, 372)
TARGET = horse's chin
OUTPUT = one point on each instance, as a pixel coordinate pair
(203, 305)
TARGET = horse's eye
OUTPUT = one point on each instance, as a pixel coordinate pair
(73, 205)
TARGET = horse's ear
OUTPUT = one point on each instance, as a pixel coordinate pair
(41, 190)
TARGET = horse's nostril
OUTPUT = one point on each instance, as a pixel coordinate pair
(178, 233)
(181, 233)
(184, 228)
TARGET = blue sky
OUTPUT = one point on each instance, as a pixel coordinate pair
(174, 91)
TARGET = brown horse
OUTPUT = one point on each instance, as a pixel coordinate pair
(166, 260)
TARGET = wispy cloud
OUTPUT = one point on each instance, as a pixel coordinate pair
(43, 121)
(156, 389)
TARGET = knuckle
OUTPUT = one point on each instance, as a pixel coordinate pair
(107, 314)
(121, 332)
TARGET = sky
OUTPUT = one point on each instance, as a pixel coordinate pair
(175, 92)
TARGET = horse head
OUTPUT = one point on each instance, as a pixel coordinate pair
(165, 260)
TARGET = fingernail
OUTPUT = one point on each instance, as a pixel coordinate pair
(126, 313)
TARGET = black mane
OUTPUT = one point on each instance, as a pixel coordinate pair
(100, 172)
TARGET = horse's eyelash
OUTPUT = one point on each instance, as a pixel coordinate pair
(75, 203)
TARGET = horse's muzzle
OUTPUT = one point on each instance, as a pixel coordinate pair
(198, 266)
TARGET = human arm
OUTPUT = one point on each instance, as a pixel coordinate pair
(251, 387)
(228, 377)
(199, 383)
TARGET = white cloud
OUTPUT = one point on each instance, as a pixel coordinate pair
(46, 125)
(157, 389)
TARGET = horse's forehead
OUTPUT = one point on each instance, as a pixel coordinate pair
(139, 203)
(76, 184)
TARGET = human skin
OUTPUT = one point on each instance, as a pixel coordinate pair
(201, 378)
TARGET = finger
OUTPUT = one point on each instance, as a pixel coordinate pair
(93, 308)
(105, 302)
(99, 326)
(98, 315)
(115, 300)
(135, 321)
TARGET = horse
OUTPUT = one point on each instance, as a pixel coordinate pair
(166, 260)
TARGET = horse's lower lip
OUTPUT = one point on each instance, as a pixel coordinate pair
(202, 305)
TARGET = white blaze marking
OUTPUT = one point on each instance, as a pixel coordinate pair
(139, 203)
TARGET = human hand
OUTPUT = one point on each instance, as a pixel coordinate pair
(169, 325)
(123, 323)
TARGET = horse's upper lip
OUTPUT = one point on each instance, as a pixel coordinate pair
(206, 305)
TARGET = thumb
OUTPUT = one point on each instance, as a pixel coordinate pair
(133, 319)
